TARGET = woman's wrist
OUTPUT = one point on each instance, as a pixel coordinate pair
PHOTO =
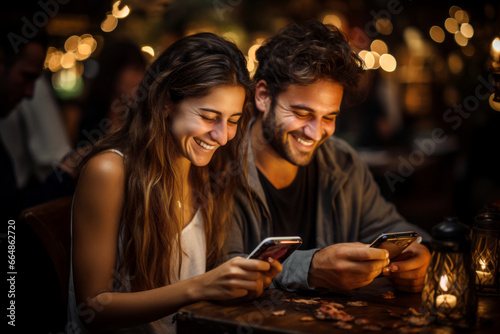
(195, 289)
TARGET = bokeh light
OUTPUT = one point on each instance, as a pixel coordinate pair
(469, 50)
(451, 25)
(369, 60)
(461, 39)
(109, 23)
(437, 34)
(333, 20)
(467, 30)
(250, 64)
(379, 46)
(461, 16)
(453, 10)
(72, 43)
(388, 62)
(252, 50)
(68, 60)
(120, 13)
(455, 63)
(384, 26)
(494, 105)
(68, 83)
(149, 50)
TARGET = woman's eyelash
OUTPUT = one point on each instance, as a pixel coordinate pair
(207, 118)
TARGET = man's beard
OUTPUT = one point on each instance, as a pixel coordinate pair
(276, 138)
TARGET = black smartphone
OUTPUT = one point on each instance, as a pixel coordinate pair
(278, 248)
(395, 242)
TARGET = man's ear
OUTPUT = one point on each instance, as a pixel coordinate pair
(262, 96)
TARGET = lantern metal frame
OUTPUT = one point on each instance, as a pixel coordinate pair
(486, 253)
(449, 295)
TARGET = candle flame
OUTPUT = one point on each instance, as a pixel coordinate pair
(443, 283)
(496, 44)
(482, 264)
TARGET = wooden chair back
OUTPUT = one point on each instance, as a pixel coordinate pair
(51, 222)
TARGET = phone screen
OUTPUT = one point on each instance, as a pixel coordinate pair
(279, 250)
(395, 243)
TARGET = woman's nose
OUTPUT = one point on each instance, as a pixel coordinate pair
(219, 133)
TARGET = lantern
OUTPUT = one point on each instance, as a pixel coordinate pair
(449, 294)
(486, 252)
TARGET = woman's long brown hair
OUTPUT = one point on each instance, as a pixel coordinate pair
(151, 224)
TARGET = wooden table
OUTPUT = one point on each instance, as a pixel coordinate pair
(257, 316)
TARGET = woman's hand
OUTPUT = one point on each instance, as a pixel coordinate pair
(236, 278)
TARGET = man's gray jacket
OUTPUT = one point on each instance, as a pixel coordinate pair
(350, 208)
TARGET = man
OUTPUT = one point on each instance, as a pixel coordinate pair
(305, 182)
(21, 64)
(19, 68)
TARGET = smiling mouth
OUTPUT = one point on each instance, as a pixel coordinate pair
(304, 142)
(203, 144)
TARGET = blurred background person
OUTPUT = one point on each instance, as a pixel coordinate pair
(35, 138)
(121, 68)
(22, 57)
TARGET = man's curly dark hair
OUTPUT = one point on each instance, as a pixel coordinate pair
(303, 54)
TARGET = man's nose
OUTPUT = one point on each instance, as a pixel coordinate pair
(313, 129)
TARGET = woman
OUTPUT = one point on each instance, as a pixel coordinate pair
(153, 199)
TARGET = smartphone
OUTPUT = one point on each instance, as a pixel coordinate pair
(278, 248)
(396, 242)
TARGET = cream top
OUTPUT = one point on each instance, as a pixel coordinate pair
(193, 263)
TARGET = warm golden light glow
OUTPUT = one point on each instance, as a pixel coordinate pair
(379, 46)
(455, 63)
(232, 36)
(496, 44)
(469, 50)
(84, 49)
(388, 62)
(109, 23)
(120, 13)
(443, 283)
(252, 50)
(72, 43)
(453, 10)
(149, 50)
(461, 39)
(437, 34)
(495, 49)
(68, 60)
(494, 105)
(250, 64)
(461, 16)
(333, 20)
(78, 68)
(54, 60)
(89, 40)
(369, 60)
(384, 26)
(467, 30)
(376, 57)
(482, 264)
(451, 25)
(362, 55)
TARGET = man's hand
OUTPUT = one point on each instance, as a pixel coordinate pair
(407, 271)
(346, 266)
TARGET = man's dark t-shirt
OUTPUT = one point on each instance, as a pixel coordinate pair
(294, 208)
